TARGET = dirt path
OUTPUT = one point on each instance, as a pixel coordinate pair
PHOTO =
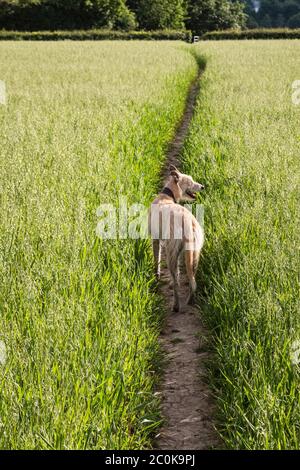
(187, 404)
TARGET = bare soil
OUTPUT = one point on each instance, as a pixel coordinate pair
(187, 404)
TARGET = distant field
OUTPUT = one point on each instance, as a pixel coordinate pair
(245, 144)
(80, 317)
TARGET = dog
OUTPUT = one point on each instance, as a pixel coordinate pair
(173, 226)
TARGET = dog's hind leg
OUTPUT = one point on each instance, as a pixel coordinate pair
(196, 257)
(156, 245)
(172, 263)
(190, 271)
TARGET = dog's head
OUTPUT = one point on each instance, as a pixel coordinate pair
(187, 187)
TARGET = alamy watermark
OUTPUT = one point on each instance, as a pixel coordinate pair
(2, 93)
(3, 353)
(295, 352)
(296, 92)
(135, 221)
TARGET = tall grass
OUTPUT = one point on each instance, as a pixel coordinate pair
(85, 122)
(244, 146)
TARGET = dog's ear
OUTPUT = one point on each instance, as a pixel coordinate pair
(176, 175)
(173, 168)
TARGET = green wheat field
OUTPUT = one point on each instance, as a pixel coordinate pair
(79, 316)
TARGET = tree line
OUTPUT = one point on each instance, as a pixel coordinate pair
(197, 15)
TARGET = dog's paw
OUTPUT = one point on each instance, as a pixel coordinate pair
(175, 308)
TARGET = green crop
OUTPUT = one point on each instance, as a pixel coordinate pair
(244, 146)
(84, 124)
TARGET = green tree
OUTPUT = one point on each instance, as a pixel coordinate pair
(159, 14)
(105, 13)
(207, 15)
(126, 19)
(65, 14)
(109, 12)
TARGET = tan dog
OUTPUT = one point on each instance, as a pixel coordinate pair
(175, 227)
